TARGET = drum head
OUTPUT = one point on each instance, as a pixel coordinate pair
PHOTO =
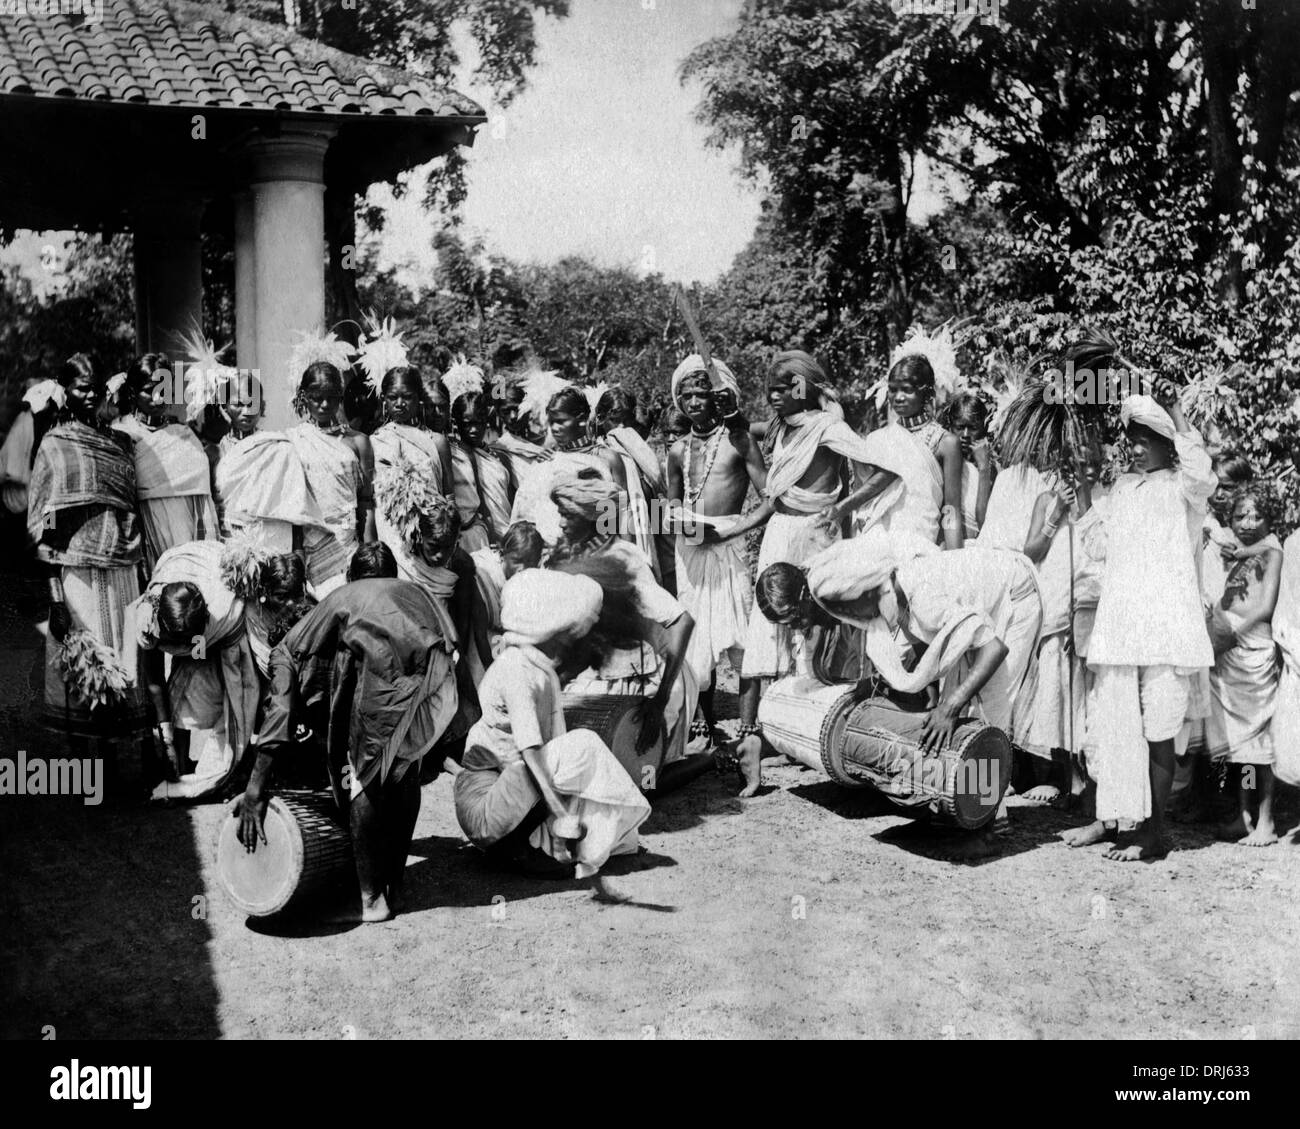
(982, 773)
(262, 882)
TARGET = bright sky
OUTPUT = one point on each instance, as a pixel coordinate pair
(600, 155)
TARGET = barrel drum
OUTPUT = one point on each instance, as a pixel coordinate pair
(308, 850)
(878, 745)
(801, 715)
(611, 718)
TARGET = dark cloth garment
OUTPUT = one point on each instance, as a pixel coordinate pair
(81, 509)
(371, 668)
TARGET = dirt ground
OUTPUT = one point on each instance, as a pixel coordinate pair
(807, 911)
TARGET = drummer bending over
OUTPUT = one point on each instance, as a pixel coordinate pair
(973, 615)
(372, 666)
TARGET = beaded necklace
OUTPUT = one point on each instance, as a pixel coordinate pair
(712, 444)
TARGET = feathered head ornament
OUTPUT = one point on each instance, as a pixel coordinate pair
(46, 392)
(206, 378)
(940, 349)
(242, 557)
(381, 352)
(539, 387)
(461, 378)
(317, 346)
(593, 393)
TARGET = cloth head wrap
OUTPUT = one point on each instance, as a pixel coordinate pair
(1144, 410)
(720, 377)
(803, 368)
(538, 604)
(849, 569)
(585, 497)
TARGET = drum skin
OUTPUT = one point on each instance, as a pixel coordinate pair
(307, 850)
(609, 716)
(878, 744)
(800, 714)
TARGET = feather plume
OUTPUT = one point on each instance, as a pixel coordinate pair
(46, 392)
(538, 388)
(593, 393)
(462, 377)
(940, 350)
(316, 345)
(402, 493)
(206, 378)
(92, 672)
(242, 557)
(382, 350)
(1041, 430)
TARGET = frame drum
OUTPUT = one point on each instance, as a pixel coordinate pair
(609, 716)
(307, 850)
(800, 715)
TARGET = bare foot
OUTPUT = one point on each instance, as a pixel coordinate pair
(362, 911)
(967, 848)
(1139, 847)
(750, 753)
(1043, 794)
(1231, 832)
(1265, 835)
(376, 910)
(1096, 832)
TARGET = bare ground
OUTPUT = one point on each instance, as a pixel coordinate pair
(806, 911)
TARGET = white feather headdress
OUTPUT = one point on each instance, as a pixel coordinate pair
(538, 388)
(940, 350)
(594, 393)
(45, 392)
(462, 377)
(206, 378)
(316, 345)
(381, 352)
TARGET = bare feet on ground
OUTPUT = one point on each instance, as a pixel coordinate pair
(1138, 846)
(1096, 832)
(1043, 794)
(1264, 835)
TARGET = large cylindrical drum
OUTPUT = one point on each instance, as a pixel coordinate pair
(799, 715)
(878, 744)
(611, 718)
(307, 851)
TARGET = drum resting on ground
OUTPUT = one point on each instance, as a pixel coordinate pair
(611, 718)
(865, 741)
(308, 851)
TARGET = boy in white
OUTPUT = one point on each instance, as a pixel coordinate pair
(1149, 646)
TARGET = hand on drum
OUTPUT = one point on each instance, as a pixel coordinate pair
(251, 813)
(939, 724)
(649, 720)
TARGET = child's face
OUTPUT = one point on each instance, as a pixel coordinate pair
(1092, 463)
(149, 404)
(1248, 523)
(434, 547)
(906, 397)
(437, 410)
(970, 429)
(473, 426)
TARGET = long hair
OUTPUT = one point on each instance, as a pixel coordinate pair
(139, 376)
(409, 377)
(619, 625)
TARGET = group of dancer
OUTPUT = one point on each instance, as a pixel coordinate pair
(414, 589)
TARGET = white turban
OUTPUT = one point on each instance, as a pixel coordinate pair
(538, 604)
(1144, 410)
(719, 377)
(849, 569)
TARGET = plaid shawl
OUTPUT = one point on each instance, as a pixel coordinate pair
(82, 498)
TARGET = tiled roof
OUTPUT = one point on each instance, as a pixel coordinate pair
(180, 54)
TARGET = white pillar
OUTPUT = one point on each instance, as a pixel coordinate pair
(168, 272)
(245, 283)
(288, 245)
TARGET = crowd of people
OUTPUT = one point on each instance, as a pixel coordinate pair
(411, 579)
